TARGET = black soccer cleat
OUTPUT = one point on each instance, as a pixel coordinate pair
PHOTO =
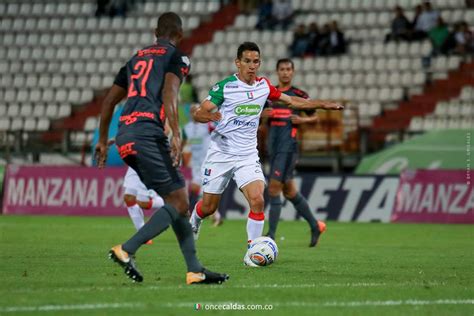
(127, 262)
(206, 277)
(315, 234)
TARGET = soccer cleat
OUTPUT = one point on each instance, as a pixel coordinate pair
(205, 277)
(127, 262)
(270, 235)
(317, 233)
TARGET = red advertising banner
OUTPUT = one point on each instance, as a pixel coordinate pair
(63, 191)
(435, 196)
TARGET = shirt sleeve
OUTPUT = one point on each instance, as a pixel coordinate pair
(216, 94)
(275, 94)
(121, 78)
(180, 65)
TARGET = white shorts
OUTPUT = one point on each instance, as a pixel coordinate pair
(218, 168)
(132, 184)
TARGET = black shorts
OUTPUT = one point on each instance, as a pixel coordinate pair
(149, 156)
(283, 166)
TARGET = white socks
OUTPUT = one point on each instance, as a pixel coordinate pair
(136, 214)
(255, 223)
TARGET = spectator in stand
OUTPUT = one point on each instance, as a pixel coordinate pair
(102, 8)
(247, 6)
(464, 39)
(438, 36)
(300, 41)
(313, 40)
(337, 42)
(400, 29)
(282, 14)
(323, 42)
(265, 15)
(418, 11)
(426, 21)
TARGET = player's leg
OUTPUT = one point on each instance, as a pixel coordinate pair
(281, 168)
(216, 173)
(303, 209)
(206, 206)
(134, 210)
(132, 185)
(250, 180)
(153, 163)
(253, 192)
(274, 192)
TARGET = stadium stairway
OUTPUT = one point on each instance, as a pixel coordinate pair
(419, 105)
(219, 20)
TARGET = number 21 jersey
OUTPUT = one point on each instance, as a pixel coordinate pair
(143, 77)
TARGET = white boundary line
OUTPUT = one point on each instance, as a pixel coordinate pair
(49, 308)
(190, 305)
(228, 286)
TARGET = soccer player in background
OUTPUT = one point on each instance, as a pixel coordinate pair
(196, 137)
(138, 198)
(283, 151)
(150, 80)
(232, 152)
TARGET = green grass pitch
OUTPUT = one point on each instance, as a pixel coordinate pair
(59, 266)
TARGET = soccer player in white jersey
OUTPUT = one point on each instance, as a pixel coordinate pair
(232, 152)
(196, 138)
(138, 198)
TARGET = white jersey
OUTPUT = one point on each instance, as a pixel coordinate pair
(198, 136)
(240, 105)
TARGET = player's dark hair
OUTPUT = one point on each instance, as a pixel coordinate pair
(284, 61)
(169, 25)
(251, 46)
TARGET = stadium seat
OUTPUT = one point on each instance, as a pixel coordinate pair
(90, 124)
(416, 124)
(29, 124)
(4, 124)
(43, 124)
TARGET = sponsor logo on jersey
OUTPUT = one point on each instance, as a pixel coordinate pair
(231, 86)
(247, 109)
(215, 88)
(151, 51)
(245, 123)
(250, 95)
(205, 181)
(260, 83)
(207, 172)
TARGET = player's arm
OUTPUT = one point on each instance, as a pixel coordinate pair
(113, 97)
(205, 112)
(170, 104)
(306, 104)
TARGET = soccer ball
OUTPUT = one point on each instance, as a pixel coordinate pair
(262, 251)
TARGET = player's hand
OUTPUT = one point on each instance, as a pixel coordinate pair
(215, 116)
(329, 105)
(101, 154)
(176, 150)
(296, 119)
(268, 112)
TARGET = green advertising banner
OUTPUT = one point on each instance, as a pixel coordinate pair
(443, 149)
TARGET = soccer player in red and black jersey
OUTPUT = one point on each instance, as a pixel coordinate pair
(151, 80)
(283, 150)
